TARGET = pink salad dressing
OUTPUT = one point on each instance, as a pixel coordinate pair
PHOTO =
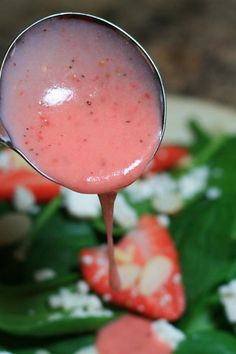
(82, 104)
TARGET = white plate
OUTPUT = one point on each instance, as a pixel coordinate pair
(214, 117)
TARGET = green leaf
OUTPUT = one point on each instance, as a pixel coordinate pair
(57, 247)
(43, 218)
(225, 161)
(200, 137)
(212, 342)
(202, 234)
(59, 243)
(56, 345)
(25, 311)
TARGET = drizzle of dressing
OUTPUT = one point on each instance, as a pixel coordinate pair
(107, 201)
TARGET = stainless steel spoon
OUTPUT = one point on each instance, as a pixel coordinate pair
(5, 137)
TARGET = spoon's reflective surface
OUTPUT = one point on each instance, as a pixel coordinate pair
(6, 137)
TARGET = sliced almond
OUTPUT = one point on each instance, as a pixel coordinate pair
(124, 255)
(155, 273)
(128, 275)
(13, 227)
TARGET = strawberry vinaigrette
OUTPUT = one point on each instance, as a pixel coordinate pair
(83, 104)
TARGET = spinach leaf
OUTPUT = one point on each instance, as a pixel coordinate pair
(56, 345)
(209, 342)
(25, 311)
(200, 137)
(225, 161)
(202, 235)
(56, 246)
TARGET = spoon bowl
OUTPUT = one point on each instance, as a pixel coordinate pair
(58, 95)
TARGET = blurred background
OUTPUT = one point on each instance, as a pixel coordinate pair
(193, 42)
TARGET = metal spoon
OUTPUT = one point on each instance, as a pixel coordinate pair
(5, 137)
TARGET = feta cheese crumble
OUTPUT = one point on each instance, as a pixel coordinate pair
(78, 304)
(5, 162)
(213, 193)
(164, 220)
(82, 287)
(81, 205)
(193, 182)
(24, 200)
(87, 350)
(42, 351)
(44, 274)
(168, 333)
(124, 214)
(169, 203)
(228, 299)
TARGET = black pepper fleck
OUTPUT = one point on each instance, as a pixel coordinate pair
(89, 103)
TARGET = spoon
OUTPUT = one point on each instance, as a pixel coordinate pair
(5, 135)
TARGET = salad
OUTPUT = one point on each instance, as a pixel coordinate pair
(175, 234)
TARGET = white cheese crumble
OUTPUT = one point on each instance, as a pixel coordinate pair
(24, 200)
(124, 214)
(82, 287)
(42, 351)
(87, 260)
(151, 186)
(140, 190)
(228, 299)
(168, 333)
(80, 313)
(193, 182)
(213, 193)
(77, 304)
(87, 350)
(5, 161)
(44, 274)
(4, 352)
(169, 203)
(164, 220)
(81, 205)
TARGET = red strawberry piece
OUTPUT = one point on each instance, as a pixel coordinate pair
(130, 335)
(21, 174)
(148, 265)
(167, 157)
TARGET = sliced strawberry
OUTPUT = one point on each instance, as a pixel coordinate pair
(19, 173)
(130, 335)
(167, 157)
(149, 269)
